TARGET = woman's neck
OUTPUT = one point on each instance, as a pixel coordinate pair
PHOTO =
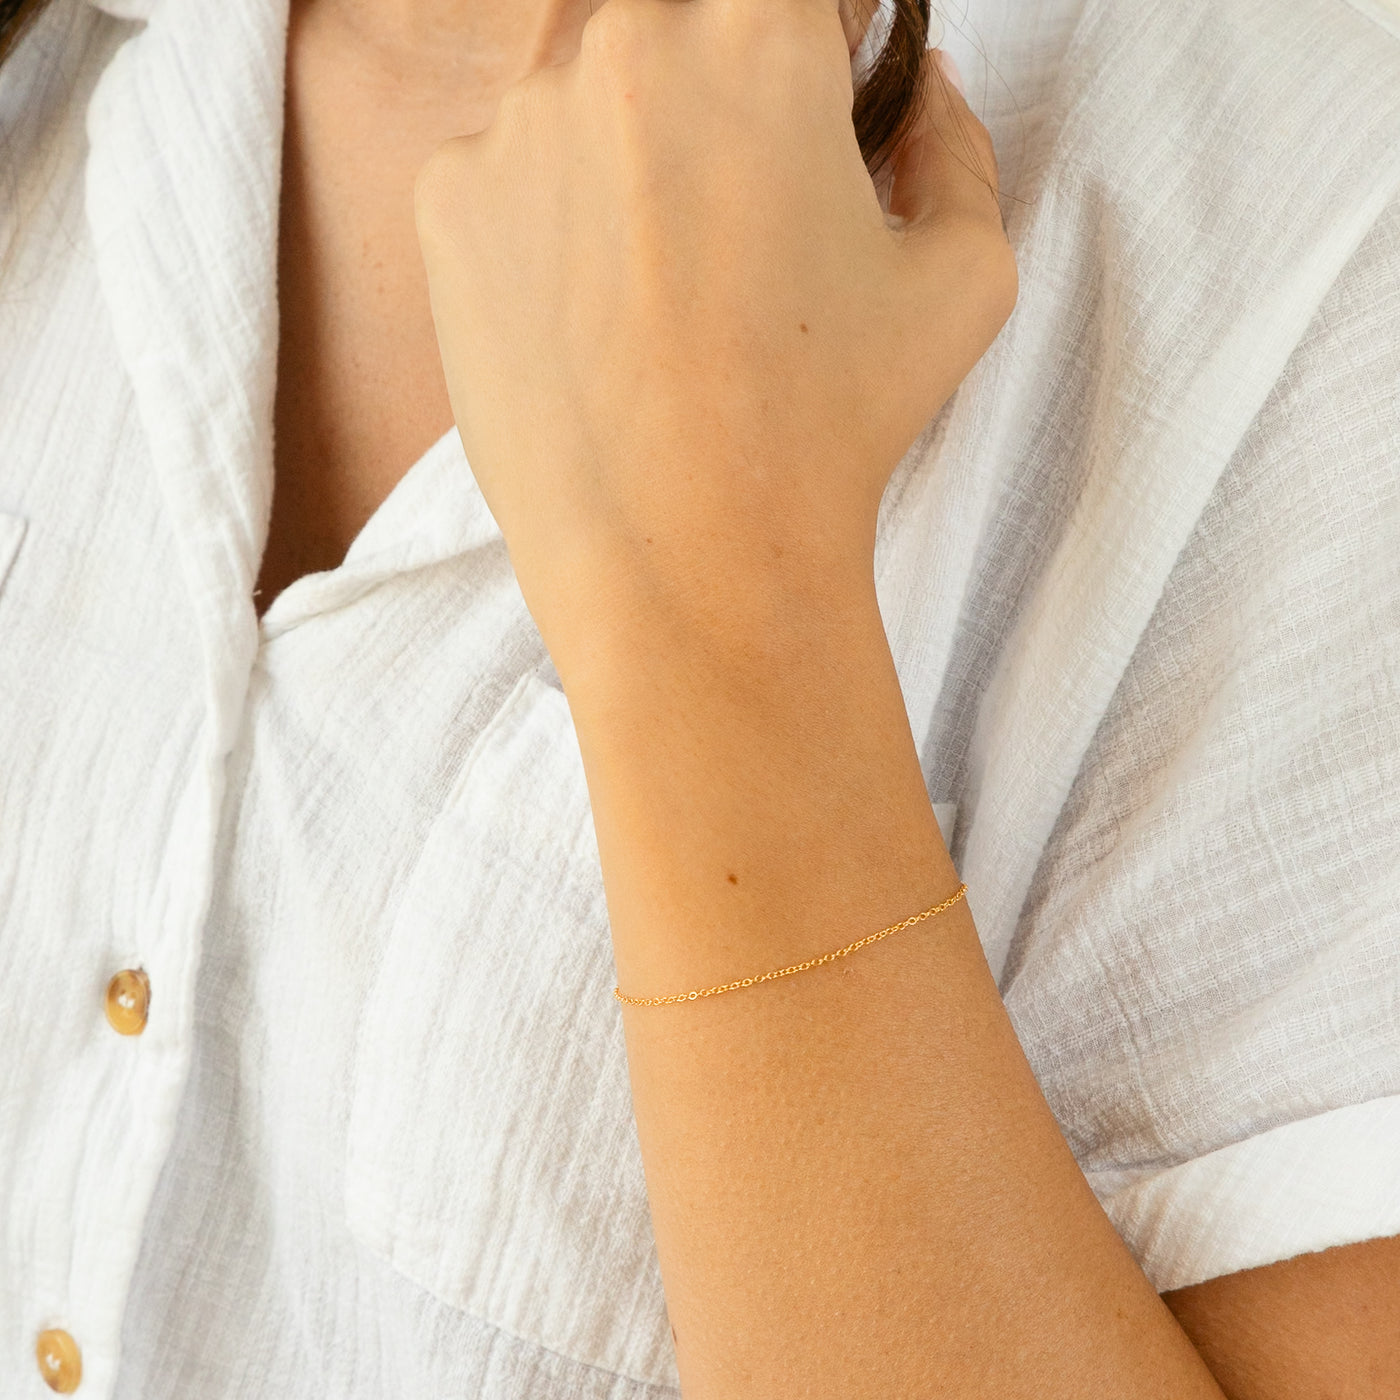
(439, 50)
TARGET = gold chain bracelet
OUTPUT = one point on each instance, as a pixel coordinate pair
(798, 967)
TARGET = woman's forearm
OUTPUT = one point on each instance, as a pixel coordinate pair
(857, 1187)
(686, 343)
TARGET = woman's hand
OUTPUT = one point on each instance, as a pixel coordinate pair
(685, 347)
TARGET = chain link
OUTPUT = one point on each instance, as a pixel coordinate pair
(798, 967)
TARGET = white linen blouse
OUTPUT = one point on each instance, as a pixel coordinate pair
(1141, 579)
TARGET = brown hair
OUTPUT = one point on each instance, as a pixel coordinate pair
(14, 17)
(885, 101)
(884, 104)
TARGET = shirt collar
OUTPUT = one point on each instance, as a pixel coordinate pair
(182, 189)
(183, 193)
(125, 9)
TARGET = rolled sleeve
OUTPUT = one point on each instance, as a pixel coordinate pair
(1327, 1180)
(1206, 977)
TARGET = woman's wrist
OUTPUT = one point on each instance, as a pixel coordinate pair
(756, 758)
(703, 626)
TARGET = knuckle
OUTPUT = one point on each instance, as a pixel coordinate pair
(770, 18)
(615, 38)
(796, 37)
(742, 18)
(437, 186)
(513, 105)
(998, 277)
(978, 261)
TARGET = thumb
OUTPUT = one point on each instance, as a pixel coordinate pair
(945, 164)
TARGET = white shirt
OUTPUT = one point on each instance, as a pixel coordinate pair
(1141, 579)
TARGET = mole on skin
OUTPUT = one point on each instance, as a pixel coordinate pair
(733, 879)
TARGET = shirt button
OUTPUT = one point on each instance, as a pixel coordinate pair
(60, 1361)
(128, 1001)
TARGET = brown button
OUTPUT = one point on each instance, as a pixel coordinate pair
(128, 1001)
(60, 1361)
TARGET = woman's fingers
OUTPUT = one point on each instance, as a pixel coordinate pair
(960, 270)
(946, 164)
(671, 312)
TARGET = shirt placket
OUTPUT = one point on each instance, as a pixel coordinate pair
(182, 188)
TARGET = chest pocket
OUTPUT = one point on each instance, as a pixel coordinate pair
(492, 1153)
(11, 533)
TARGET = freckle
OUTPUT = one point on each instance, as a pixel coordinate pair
(733, 879)
(802, 326)
(777, 551)
(648, 539)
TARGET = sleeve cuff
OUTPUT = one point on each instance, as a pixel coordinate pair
(1327, 1180)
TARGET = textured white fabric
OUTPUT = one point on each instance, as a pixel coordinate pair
(1142, 583)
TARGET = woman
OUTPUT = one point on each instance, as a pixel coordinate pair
(358, 871)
